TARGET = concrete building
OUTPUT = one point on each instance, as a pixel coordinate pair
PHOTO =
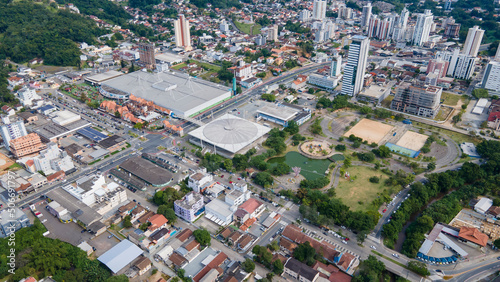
(439, 65)
(219, 212)
(319, 9)
(323, 81)
(182, 33)
(200, 181)
(335, 68)
(272, 33)
(93, 189)
(190, 207)
(11, 131)
(27, 95)
(304, 15)
(452, 30)
(367, 13)
(147, 55)
(49, 161)
(224, 26)
(260, 40)
(491, 78)
(11, 222)
(461, 66)
(416, 100)
(354, 71)
(483, 205)
(473, 41)
(282, 115)
(374, 94)
(26, 145)
(423, 28)
(300, 271)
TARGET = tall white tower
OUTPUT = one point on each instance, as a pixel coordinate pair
(367, 12)
(473, 41)
(336, 64)
(182, 33)
(354, 71)
(423, 28)
(319, 9)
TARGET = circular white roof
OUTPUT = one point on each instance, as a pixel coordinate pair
(230, 131)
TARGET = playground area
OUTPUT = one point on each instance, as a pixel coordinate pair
(369, 130)
(316, 149)
(412, 140)
(77, 90)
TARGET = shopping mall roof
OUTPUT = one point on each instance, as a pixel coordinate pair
(230, 133)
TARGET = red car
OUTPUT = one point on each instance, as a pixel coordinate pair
(222, 176)
(347, 238)
(384, 210)
(239, 178)
(230, 182)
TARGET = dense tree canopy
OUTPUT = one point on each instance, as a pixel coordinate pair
(5, 95)
(29, 30)
(202, 236)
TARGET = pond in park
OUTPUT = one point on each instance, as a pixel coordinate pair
(310, 168)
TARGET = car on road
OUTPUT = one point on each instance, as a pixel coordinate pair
(344, 241)
(384, 210)
(395, 255)
(83, 231)
(109, 237)
(373, 247)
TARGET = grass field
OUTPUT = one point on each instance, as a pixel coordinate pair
(210, 67)
(387, 101)
(181, 65)
(361, 190)
(443, 114)
(450, 99)
(455, 136)
(252, 29)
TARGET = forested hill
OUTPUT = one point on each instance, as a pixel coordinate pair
(29, 30)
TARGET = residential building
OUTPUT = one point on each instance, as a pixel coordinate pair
(300, 271)
(200, 181)
(26, 145)
(417, 100)
(272, 33)
(319, 9)
(439, 65)
(473, 41)
(147, 55)
(345, 13)
(461, 66)
(367, 12)
(243, 71)
(11, 131)
(182, 33)
(189, 207)
(491, 78)
(219, 212)
(423, 28)
(323, 81)
(49, 161)
(355, 69)
(224, 26)
(27, 95)
(260, 40)
(304, 15)
(157, 221)
(336, 65)
(473, 236)
(452, 30)
(94, 189)
(142, 265)
(11, 221)
(497, 55)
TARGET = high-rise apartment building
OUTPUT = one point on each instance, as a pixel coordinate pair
(26, 145)
(10, 131)
(182, 33)
(305, 15)
(367, 12)
(224, 26)
(452, 30)
(354, 71)
(423, 28)
(344, 13)
(417, 100)
(319, 9)
(147, 55)
(497, 55)
(336, 64)
(473, 41)
(461, 65)
(272, 33)
(491, 78)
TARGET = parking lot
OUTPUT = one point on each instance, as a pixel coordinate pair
(67, 232)
(102, 243)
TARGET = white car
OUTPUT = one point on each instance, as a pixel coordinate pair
(373, 247)
(395, 255)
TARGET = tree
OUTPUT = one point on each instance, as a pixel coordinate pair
(278, 267)
(268, 97)
(340, 148)
(83, 97)
(365, 110)
(305, 253)
(117, 114)
(382, 152)
(480, 93)
(497, 243)
(431, 166)
(374, 179)
(202, 236)
(126, 222)
(292, 128)
(280, 169)
(248, 265)
(263, 179)
(168, 213)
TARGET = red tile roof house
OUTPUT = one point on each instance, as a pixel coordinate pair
(253, 207)
(214, 264)
(157, 221)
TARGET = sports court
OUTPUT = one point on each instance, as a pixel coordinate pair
(412, 140)
(369, 130)
(402, 150)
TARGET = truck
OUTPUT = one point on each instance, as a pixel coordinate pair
(407, 121)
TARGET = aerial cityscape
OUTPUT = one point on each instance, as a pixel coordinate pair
(249, 140)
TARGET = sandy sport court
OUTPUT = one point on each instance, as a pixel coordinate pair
(412, 140)
(369, 130)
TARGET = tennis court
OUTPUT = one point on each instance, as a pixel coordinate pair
(369, 130)
(402, 150)
(412, 140)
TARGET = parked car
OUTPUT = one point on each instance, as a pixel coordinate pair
(373, 247)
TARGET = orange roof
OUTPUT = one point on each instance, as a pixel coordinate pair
(30, 163)
(215, 263)
(251, 205)
(157, 220)
(248, 223)
(473, 235)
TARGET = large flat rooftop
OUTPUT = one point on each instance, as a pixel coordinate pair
(147, 171)
(176, 91)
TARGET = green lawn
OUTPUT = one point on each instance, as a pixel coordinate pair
(181, 65)
(361, 189)
(252, 29)
(210, 67)
(455, 136)
(450, 99)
